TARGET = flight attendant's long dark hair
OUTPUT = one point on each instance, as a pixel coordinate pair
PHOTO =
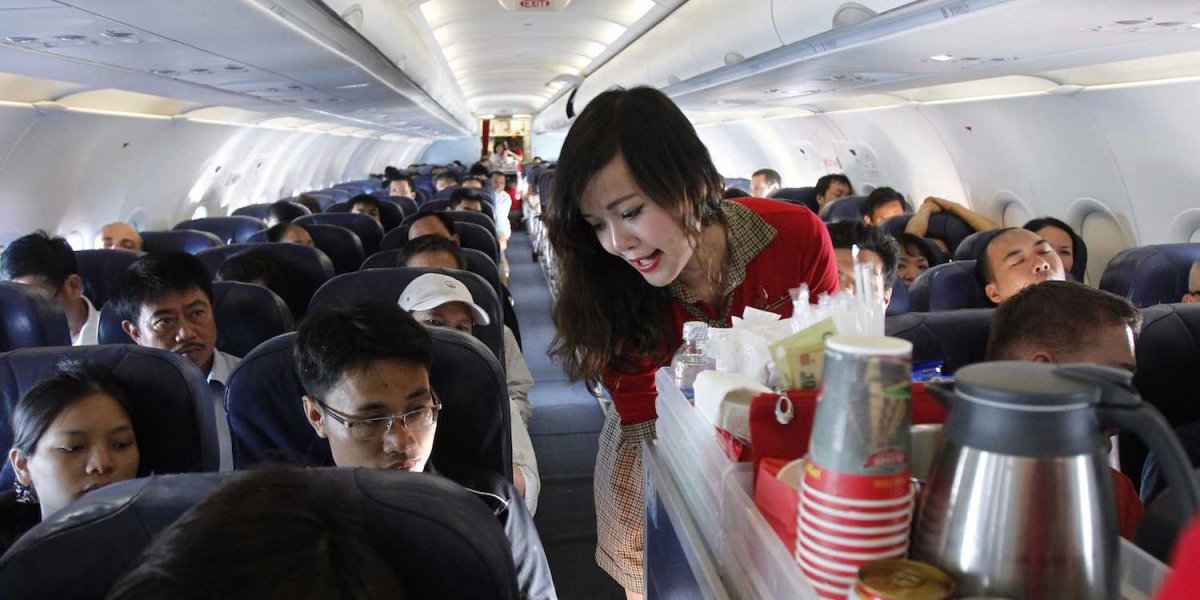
(607, 315)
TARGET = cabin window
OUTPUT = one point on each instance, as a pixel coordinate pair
(1105, 237)
(200, 212)
(75, 239)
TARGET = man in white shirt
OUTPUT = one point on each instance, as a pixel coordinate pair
(503, 207)
(48, 263)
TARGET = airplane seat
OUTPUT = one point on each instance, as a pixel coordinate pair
(972, 246)
(339, 195)
(369, 231)
(846, 208)
(442, 541)
(1166, 517)
(899, 303)
(424, 183)
(804, 196)
(470, 235)
(421, 197)
(246, 314)
(458, 216)
(323, 199)
(268, 425)
(949, 228)
(100, 269)
(170, 403)
(262, 210)
(408, 206)
(390, 215)
(444, 204)
(305, 268)
(341, 245)
(958, 338)
(1149, 275)
(477, 263)
(546, 183)
(179, 240)
(948, 286)
(387, 284)
(741, 183)
(231, 230)
(30, 318)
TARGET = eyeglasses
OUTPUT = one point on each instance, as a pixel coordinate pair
(375, 428)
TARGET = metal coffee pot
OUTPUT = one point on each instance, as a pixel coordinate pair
(1020, 503)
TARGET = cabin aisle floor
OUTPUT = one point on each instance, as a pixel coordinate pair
(565, 429)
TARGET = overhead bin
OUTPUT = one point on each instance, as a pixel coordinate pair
(798, 21)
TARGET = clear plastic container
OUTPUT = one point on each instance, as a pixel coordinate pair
(1141, 574)
(689, 361)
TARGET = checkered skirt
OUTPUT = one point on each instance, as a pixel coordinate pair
(620, 516)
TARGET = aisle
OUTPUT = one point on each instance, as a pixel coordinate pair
(565, 427)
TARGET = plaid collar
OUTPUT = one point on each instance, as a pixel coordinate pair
(748, 235)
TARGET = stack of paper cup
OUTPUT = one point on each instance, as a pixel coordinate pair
(856, 498)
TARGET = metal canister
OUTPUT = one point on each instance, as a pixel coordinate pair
(901, 580)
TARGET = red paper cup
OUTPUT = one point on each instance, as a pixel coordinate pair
(837, 502)
(847, 544)
(847, 558)
(845, 577)
(850, 531)
(859, 519)
(851, 485)
(824, 565)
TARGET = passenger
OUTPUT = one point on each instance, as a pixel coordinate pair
(474, 183)
(290, 233)
(268, 533)
(1192, 296)
(433, 223)
(1068, 322)
(283, 212)
(401, 185)
(645, 243)
(258, 267)
(917, 254)
(480, 169)
(445, 180)
(734, 193)
(883, 203)
(467, 199)
(765, 182)
(71, 434)
(537, 160)
(875, 245)
(312, 204)
(919, 224)
(437, 170)
(366, 373)
(503, 208)
(1015, 259)
(120, 235)
(365, 204)
(831, 187)
(1070, 247)
(441, 301)
(49, 264)
(502, 158)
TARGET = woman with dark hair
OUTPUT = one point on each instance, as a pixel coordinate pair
(645, 243)
(71, 434)
(1069, 246)
(917, 255)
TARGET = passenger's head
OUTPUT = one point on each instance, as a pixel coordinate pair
(537, 160)
(637, 187)
(290, 233)
(1192, 295)
(499, 147)
(267, 533)
(433, 223)
(875, 246)
(480, 169)
(432, 251)
(883, 203)
(437, 170)
(734, 193)
(831, 187)
(1070, 247)
(283, 211)
(473, 183)
(366, 373)
(72, 434)
(499, 181)
(312, 204)
(468, 199)
(365, 204)
(120, 235)
(916, 256)
(257, 267)
(1065, 322)
(442, 301)
(445, 180)
(165, 301)
(47, 263)
(401, 185)
(765, 182)
(1014, 259)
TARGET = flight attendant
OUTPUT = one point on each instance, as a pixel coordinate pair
(645, 243)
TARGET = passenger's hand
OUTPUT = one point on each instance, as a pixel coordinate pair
(518, 479)
(931, 205)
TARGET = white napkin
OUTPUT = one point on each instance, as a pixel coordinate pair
(724, 400)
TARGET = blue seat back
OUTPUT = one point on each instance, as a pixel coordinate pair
(1151, 275)
(477, 263)
(338, 194)
(100, 269)
(191, 241)
(949, 228)
(470, 236)
(972, 246)
(408, 206)
(30, 318)
(846, 208)
(368, 230)
(440, 539)
(899, 303)
(231, 230)
(267, 421)
(323, 199)
(170, 403)
(262, 210)
(958, 338)
(424, 183)
(948, 286)
(305, 268)
(804, 196)
(341, 245)
(459, 216)
(390, 214)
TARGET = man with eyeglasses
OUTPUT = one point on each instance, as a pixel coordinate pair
(366, 373)
(1192, 296)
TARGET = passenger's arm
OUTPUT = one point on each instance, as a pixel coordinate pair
(526, 477)
(975, 220)
(918, 225)
(519, 379)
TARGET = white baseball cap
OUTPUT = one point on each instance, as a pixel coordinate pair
(432, 290)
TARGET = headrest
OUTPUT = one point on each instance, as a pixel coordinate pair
(972, 246)
(267, 421)
(846, 208)
(458, 216)
(341, 245)
(30, 318)
(444, 195)
(444, 204)
(323, 200)
(804, 196)
(958, 338)
(179, 240)
(389, 214)
(947, 286)
(1167, 352)
(385, 285)
(368, 230)
(949, 228)
(262, 210)
(470, 236)
(100, 269)
(231, 230)
(477, 263)
(408, 206)
(339, 195)
(306, 268)
(1150, 275)
(899, 303)
(170, 403)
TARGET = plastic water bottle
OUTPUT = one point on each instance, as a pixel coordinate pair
(689, 360)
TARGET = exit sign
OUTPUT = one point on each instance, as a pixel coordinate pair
(534, 4)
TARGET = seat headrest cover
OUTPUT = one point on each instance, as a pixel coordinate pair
(805, 196)
(899, 303)
(477, 263)
(846, 208)
(231, 230)
(191, 241)
(408, 206)
(470, 235)
(99, 269)
(368, 230)
(170, 403)
(1150, 275)
(267, 421)
(948, 286)
(306, 268)
(959, 338)
(1167, 351)
(972, 246)
(950, 228)
(390, 214)
(30, 318)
